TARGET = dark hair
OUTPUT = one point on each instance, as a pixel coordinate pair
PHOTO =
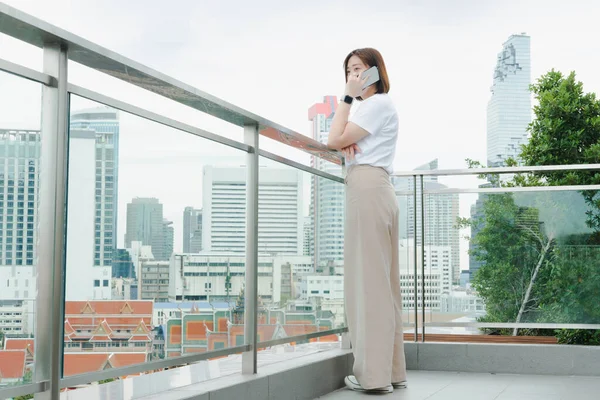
(371, 58)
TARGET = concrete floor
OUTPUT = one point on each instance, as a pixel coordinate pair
(468, 386)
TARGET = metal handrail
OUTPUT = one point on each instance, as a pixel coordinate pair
(497, 170)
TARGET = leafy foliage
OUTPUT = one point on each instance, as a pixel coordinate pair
(542, 272)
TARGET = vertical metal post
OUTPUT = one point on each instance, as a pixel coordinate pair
(249, 358)
(423, 256)
(346, 343)
(416, 249)
(52, 223)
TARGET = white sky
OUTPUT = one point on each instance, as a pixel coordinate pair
(278, 58)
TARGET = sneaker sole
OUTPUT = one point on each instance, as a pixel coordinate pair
(357, 388)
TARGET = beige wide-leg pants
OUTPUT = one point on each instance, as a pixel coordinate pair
(372, 278)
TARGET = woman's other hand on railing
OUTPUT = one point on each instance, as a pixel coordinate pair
(350, 151)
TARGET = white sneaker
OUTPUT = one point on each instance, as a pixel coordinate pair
(352, 384)
(399, 385)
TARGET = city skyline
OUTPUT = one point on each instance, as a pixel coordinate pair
(156, 208)
(461, 135)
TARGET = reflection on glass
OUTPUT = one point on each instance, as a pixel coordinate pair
(404, 188)
(532, 259)
(20, 141)
(300, 245)
(139, 194)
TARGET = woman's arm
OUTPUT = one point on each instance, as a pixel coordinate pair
(342, 133)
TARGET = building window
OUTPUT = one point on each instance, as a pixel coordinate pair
(105, 283)
(96, 282)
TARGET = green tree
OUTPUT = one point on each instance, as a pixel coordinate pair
(28, 377)
(514, 249)
(563, 284)
(566, 130)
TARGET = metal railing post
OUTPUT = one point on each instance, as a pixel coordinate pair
(249, 358)
(52, 224)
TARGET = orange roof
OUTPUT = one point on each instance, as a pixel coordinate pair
(103, 329)
(110, 307)
(141, 329)
(19, 344)
(68, 328)
(118, 360)
(100, 338)
(12, 364)
(81, 363)
(139, 338)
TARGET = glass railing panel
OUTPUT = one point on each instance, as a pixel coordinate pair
(20, 143)
(155, 230)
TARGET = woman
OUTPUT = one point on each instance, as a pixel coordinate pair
(372, 274)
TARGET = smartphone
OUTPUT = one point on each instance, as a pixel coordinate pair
(372, 75)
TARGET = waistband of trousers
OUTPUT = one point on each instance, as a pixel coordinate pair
(358, 167)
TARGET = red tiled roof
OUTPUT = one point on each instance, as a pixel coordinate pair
(19, 344)
(139, 338)
(100, 338)
(68, 328)
(98, 319)
(118, 360)
(12, 364)
(141, 328)
(81, 363)
(110, 307)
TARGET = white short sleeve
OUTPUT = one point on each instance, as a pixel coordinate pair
(371, 115)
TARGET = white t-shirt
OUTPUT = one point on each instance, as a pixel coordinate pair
(378, 116)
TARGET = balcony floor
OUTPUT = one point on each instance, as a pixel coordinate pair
(468, 386)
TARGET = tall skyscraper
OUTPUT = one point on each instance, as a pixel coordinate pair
(104, 122)
(508, 116)
(85, 279)
(309, 242)
(145, 223)
(192, 230)
(19, 202)
(168, 238)
(327, 197)
(509, 109)
(280, 222)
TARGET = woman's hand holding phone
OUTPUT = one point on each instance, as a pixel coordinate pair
(354, 86)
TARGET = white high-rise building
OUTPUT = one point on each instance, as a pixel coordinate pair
(327, 197)
(104, 121)
(509, 109)
(437, 278)
(280, 221)
(19, 202)
(85, 280)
